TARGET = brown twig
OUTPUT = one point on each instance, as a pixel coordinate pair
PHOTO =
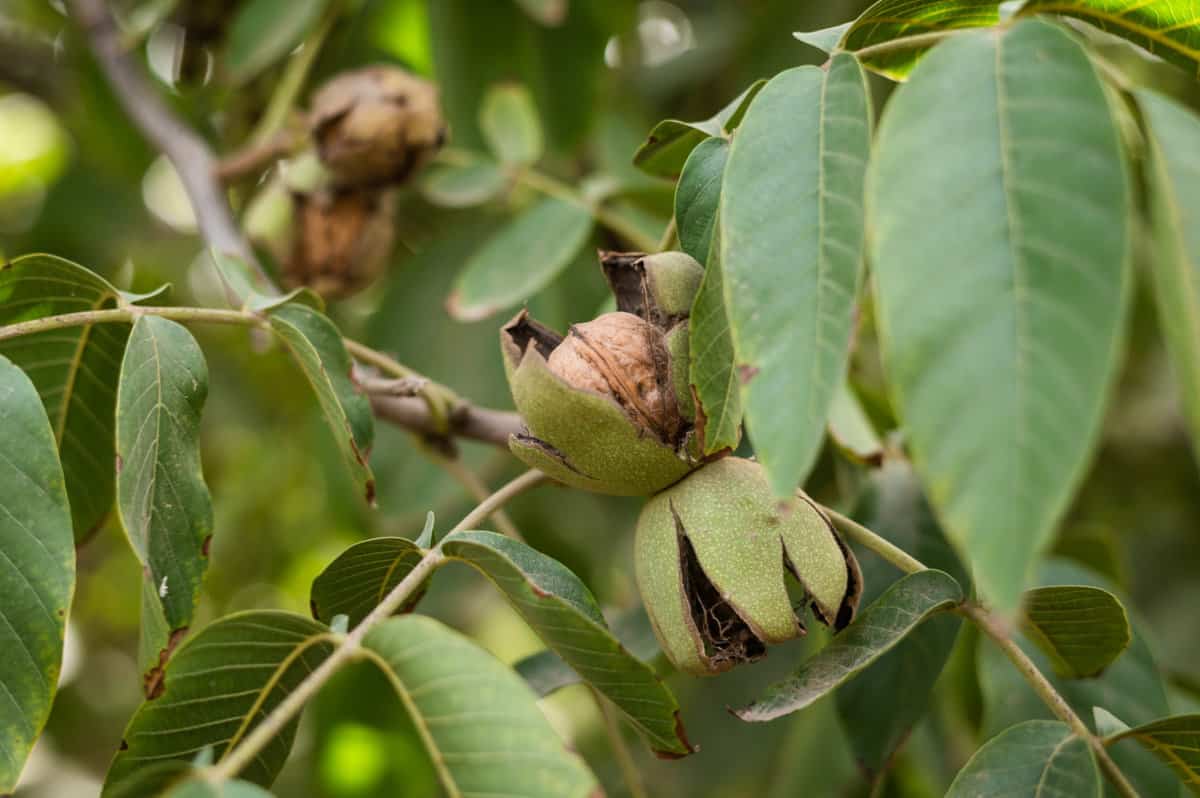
(466, 420)
(186, 151)
(256, 157)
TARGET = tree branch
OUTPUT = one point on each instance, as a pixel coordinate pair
(186, 151)
(465, 421)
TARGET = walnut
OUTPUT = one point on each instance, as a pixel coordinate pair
(376, 126)
(624, 357)
(341, 241)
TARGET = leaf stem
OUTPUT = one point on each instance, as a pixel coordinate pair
(885, 549)
(620, 751)
(992, 626)
(234, 760)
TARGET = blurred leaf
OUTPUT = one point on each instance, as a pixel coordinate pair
(463, 185)
(37, 569)
(1081, 629)
(547, 672)
(563, 612)
(711, 372)
(264, 31)
(361, 576)
(876, 631)
(900, 20)
(1014, 260)
(218, 686)
(152, 779)
(510, 125)
(669, 144)
(1174, 177)
(199, 788)
(520, 259)
(807, 128)
(251, 290)
(698, 195)
(851, 429)
(1131, 688)
(483, 728)
(317, 346)
(1166, 28)
(75, 370)
(546, 12)
(164, 505)
(879, 709)
(1032, 758)
(1174, 740)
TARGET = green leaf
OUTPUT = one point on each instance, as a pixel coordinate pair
(217, 687)
(1003, 276)
(247, 287)
(480, 722)
(698, 196)
(264, 31)
(163, 502)
(1081, 629)
(851, 429)
(1174, 177)
(876, 631)
(1131, 688)
(791, 214)
(1169, 29)
(563, 612)
(547, 672)
(909, 25)
(318, 348)
(153, 779)
(510, 125)
(711, 373)
(37, 569)
(879, 709)
(1038, 757)
(199, 788)
(1174, 740)
(669, 144)
(472, 182)
(361, 576)
(520, 259)
(75, 370)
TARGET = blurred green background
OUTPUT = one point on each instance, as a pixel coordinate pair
(77, 180)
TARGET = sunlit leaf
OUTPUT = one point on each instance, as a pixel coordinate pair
(361, 576)
(520, 259)
(264, 31)
(910, 27)
(222, 682)
(317, 347)
(698, 195)
(510, 124)
(1038, 757)
(163, 502)
(877, 630)
(565, 615)
(1169, 29)
(483, 729)
(792, 214)
(1081, 629)
(37, 569)
(1174, 177)
(75, 370)
(1174, 740)
(1002, 272)
(669, 144)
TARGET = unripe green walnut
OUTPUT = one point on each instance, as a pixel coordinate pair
(608, 408)
(712, 555)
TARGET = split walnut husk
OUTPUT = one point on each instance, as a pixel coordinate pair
(607, 407)
(714, 554)
(340, 241)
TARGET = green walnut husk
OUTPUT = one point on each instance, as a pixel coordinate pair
(713, 556)
(607, 407)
